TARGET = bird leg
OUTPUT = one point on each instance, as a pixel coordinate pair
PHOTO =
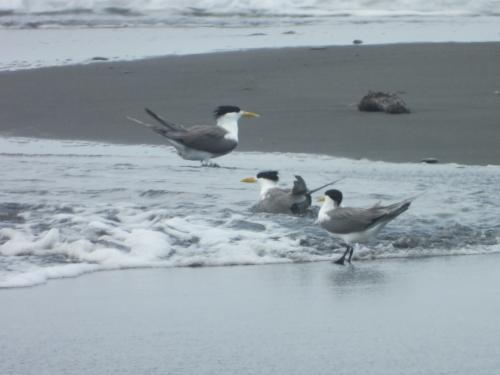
(350, 254)
(342, 258)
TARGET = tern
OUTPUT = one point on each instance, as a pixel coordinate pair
(356, 225)
(201, 142)
(276, 200)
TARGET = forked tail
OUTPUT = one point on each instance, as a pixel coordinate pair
(156, 128)
(324, 186)
(168, 124)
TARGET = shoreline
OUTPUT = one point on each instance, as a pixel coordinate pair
(68, 45)
(99, 143)
(97, 59)
(447, 86)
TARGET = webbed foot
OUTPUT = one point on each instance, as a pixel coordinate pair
(341, 260)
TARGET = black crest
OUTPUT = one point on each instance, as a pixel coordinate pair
(223, 109)
(335, 195)
(269, 175)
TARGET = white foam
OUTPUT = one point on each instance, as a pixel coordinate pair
(86, 213)
(41, 275)
(22, 243)
(263, 7)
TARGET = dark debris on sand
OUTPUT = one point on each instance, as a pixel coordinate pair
(378, 101)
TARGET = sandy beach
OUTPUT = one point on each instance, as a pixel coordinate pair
(307, 98)
(409, 304)
(427, 316)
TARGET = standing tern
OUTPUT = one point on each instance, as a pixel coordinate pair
(201, 142)
(354, 225)
(276, 200)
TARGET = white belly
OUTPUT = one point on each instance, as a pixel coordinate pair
(360, 237)
(191, 154)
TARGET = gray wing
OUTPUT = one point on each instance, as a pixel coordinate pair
(302, 197)
(205, 138)
(299, 186)
(280, 201)
(349, 219)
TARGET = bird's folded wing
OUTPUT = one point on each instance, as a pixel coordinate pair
(277, 200)
(299, 186)
(347, 219)
(205, 138)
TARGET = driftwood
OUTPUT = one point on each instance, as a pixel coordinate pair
(378, 101)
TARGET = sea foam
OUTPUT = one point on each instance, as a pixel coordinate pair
(200, 8)
(81, 207)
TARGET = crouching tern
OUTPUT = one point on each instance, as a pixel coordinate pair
(201, 142)
(356, 225)
(276, 200)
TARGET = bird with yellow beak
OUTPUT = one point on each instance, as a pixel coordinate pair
(277, 200)
(201, 142)
(354, 224)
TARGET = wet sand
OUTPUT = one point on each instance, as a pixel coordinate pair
(413, 316)
(307, 98)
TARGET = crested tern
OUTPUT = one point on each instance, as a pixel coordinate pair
(353, 224)
(201, 142)
(276, 200)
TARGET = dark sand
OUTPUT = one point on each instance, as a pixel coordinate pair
(307, 98)
(429, 316)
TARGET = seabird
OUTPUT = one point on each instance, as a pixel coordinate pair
(202, 142)
(276, 200)
(355, 225)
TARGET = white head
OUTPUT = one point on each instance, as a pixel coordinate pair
(267, 180)
(331, 200)
(227, 117)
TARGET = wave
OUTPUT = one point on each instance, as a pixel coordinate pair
(77, 209)
(255, 7)
(118, 13)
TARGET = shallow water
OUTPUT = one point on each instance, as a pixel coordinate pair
(68, 208)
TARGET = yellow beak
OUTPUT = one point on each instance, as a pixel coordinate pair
(250, 180)
(320, 199)
(250, 114)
